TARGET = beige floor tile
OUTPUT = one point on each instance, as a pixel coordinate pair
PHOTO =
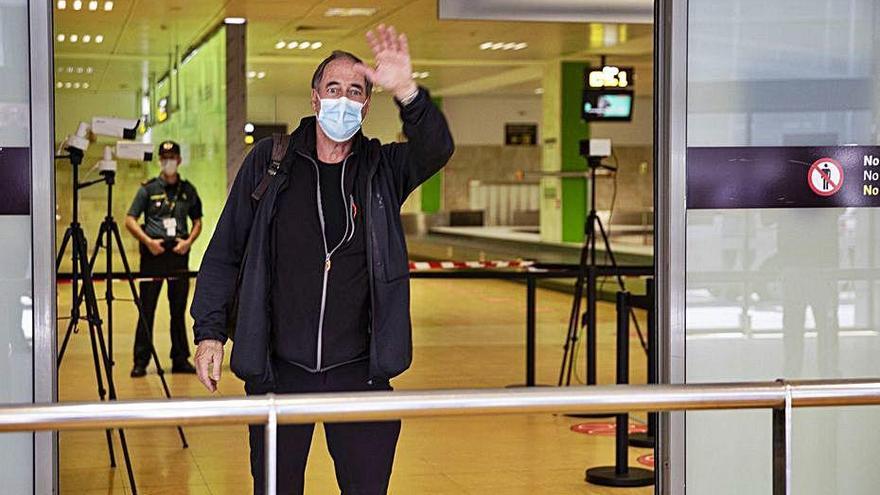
(466, 334)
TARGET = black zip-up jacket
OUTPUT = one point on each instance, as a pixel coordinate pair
(320, 285)
(241, 244)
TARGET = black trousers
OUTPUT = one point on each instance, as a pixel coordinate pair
(178, 292)
(363, 453)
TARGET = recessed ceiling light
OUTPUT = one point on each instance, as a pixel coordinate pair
(261, 75)
(60, 38)
(350, 12)
(70, 70)
(292, 45)
(424, 75)
(68, 85)
(77, 5)
(85, 85)
(317, 45)
(497, 46)
(281, 44)
(252, 74)
(539, 91)
(90, 70)
(304, 45)
(59, 84)
(509, 46)
(93, 5)
(76, 85)
(249, 127)
(235, 20)
(99, 38)
(486, 45)
(108, 6)
(520, 46)
(74, 38)
(79, 70)
(62, 4)
(86, 38)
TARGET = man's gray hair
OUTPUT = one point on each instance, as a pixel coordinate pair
(337, 54)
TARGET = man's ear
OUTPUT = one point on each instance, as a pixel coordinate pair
(179, 160)
(316, 101)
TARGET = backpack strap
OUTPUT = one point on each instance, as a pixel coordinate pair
(280, 143)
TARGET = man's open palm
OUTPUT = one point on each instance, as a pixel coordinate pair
(393, 70)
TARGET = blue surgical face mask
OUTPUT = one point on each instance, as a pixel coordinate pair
(340, 118)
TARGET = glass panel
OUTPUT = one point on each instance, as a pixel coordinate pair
(16, 322)
(782, 292)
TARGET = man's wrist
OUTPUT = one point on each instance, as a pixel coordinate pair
(407, 94)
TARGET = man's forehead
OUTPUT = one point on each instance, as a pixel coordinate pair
(342, 70)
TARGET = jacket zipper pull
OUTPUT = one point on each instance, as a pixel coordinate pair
(327, 264)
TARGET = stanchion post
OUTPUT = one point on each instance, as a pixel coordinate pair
(621, 444)
(530, 330)
(621, 475)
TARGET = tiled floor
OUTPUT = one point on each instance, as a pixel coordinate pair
(467, 334)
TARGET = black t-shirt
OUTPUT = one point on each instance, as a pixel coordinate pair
(332, 202)
(298, 286)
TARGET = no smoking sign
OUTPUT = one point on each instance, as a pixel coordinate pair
(825, 177)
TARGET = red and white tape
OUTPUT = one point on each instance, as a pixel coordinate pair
(457, 265)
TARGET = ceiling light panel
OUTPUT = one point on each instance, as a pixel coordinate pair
(72, 85)
(85, 6)
(302, 45)
(504, 45)
(349, 12)
(76, 38)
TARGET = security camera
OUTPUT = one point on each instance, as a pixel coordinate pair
(115, 127)
(595, 148)
(127, 150)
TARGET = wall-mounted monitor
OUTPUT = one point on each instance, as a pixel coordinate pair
(607, 105)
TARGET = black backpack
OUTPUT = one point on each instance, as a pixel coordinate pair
(280, 143)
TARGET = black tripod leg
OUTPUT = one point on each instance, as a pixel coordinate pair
(610, 253)
(620, 282)
(79, 299)
(70, 329)
(95, 325)
(63, 248)
(571, 338)
(143, 326)
(92, 320)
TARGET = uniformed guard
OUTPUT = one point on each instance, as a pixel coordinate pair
(165, 240)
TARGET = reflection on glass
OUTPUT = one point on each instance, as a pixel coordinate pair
(783, 292)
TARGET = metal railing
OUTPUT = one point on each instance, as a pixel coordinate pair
(780, 396)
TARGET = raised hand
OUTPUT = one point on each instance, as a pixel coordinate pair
(393, 70)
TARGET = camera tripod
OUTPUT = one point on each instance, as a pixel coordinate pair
(82, 272)
(588, 275)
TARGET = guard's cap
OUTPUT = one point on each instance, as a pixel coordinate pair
(169, 148)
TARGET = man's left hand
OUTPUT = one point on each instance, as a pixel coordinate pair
(182, 246)
(393, 69)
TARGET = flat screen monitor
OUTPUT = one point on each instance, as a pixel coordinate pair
(605, 105)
